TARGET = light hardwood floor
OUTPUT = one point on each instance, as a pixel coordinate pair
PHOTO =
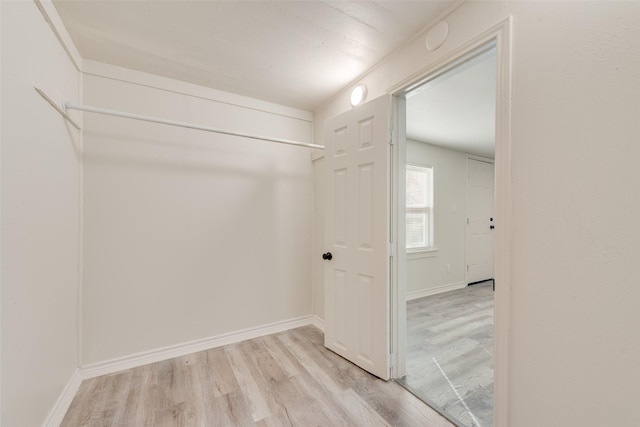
(285, 379)
(450, 353)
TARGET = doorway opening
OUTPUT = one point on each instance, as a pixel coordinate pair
(366, 302)
(450, 119)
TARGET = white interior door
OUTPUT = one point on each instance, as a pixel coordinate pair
(357, 235)
(480, 221)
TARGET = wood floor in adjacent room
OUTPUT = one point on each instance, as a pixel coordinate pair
(450, 353)
(284, 379)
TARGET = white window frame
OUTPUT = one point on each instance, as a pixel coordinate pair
(429, 249)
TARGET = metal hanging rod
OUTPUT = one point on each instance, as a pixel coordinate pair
(87, 108)
(71, 106)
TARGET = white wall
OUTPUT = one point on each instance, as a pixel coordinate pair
(427, 272)
(575, 244)
(574, 346)
(41, 168)
(189, 234)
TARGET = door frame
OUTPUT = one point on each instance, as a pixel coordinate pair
(501, 36)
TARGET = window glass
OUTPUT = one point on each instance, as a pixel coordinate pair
(419, 223)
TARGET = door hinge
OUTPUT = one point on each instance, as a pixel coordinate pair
(390, 137)
(391, 249)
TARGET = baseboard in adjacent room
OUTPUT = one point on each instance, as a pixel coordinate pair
(64, 400)
(169, 352)
(435, 290)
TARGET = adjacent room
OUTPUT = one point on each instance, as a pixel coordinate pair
(203, 216)
(449, 239)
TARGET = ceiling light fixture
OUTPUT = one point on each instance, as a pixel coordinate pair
(358, 95)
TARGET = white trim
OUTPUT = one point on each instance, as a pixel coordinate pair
(481, 158)
(50, 14)
(113, 72)
(398, 306)
(139, 359)
(503, 33)
(422, 253)
(317, 322)
(1, 245)
(447, 62)
(80, 255)
(435, 290)
(317, 155)
(64, 400)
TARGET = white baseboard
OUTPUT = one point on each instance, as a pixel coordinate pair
(132, 361)
(64, 400)
(435, 290)
(317, 322)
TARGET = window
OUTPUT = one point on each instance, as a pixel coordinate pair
(419, 223)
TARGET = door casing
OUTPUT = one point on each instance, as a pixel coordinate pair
(499, 35)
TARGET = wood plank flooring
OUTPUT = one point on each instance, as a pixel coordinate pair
(285, 379)
(450, 353)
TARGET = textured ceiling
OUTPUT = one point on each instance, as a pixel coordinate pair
(296, 53)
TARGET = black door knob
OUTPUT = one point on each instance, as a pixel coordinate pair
(492, 227)
(327, 256)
